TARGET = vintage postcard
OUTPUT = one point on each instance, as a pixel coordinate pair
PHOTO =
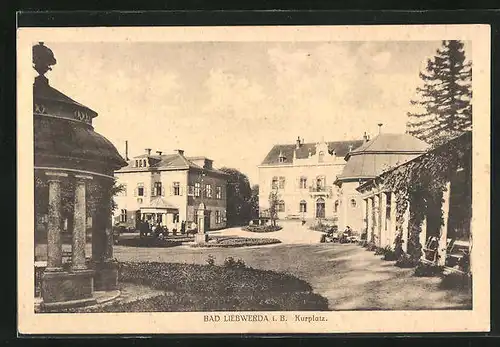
(312, 179)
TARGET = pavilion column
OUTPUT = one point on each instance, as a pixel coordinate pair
(80, 224)
(423, 235)
(365, 215)
(376, 219)
(404, 227)
(383, 217)
(392, 225)
(54, 244)
(443, 238)
(369, 220)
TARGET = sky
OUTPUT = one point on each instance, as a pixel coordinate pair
(232, 101)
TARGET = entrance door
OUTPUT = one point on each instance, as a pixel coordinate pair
(320, 208)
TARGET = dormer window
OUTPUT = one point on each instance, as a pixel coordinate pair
(321, 156)
(281, 157)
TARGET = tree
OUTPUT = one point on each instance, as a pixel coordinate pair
(238, 197)
(445, 96)
(273, 206)
(254, 202)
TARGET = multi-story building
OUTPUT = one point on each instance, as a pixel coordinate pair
(168, 188)
(302, 174)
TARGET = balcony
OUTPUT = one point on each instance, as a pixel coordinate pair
(321, 191)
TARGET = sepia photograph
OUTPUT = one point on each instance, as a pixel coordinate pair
(259, 179)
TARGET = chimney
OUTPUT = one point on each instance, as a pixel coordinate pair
(148, 151)
(380, 127)
(298, 143)
(365, 137)
(180, 151)
(126, 150)
(159, 152)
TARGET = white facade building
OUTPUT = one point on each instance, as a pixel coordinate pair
(302, 174)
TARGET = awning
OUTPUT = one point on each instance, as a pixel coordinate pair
(159, 205)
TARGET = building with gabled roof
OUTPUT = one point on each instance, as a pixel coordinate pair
(302, 174)
(168, 188)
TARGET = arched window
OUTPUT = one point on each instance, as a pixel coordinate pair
(281, 206)
(336, 206)
(274, 183)
(321, 156)
(353, 202)
(303, 206)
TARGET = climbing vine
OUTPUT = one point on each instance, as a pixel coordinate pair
(421, 182)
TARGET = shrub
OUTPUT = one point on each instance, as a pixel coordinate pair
(371, 247)
(379, 251)
(210, 260)
(389, 254)
(262, 228)
(234, 264)
(457, 281)
(427, 270)
(405, 261)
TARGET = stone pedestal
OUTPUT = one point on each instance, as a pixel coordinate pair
(67, 289)
(106, 275)
(201, 238)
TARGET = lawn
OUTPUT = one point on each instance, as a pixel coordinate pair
(229, 287)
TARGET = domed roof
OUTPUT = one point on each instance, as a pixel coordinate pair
(64, 137)
(381, 153)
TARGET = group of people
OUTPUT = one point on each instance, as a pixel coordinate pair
(156, 229)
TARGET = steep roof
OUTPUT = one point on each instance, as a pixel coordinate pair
(173, 161)
(381, 153)
(341, 148)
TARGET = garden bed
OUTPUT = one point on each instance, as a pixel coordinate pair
(229, 242)
(262, 228)
(232, 287)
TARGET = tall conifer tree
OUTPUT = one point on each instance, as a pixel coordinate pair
(445, 97)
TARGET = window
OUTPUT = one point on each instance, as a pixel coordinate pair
(208, 190)
(123, 215)
(140, 163)
(281, 206)
(274, 183)
(336, 206)
(218, 192)
(282, 182)
(218, 218)
(281, 159)
(320, 182)
(303, 206)
(144, 162)
(353, 203)
(136, 163)
(190, 190)
(124, 190)
(321, 156)
(140, 189)
(175, 218)
(197, 189)
(157, 191)
(176, 188)
(303, 183)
